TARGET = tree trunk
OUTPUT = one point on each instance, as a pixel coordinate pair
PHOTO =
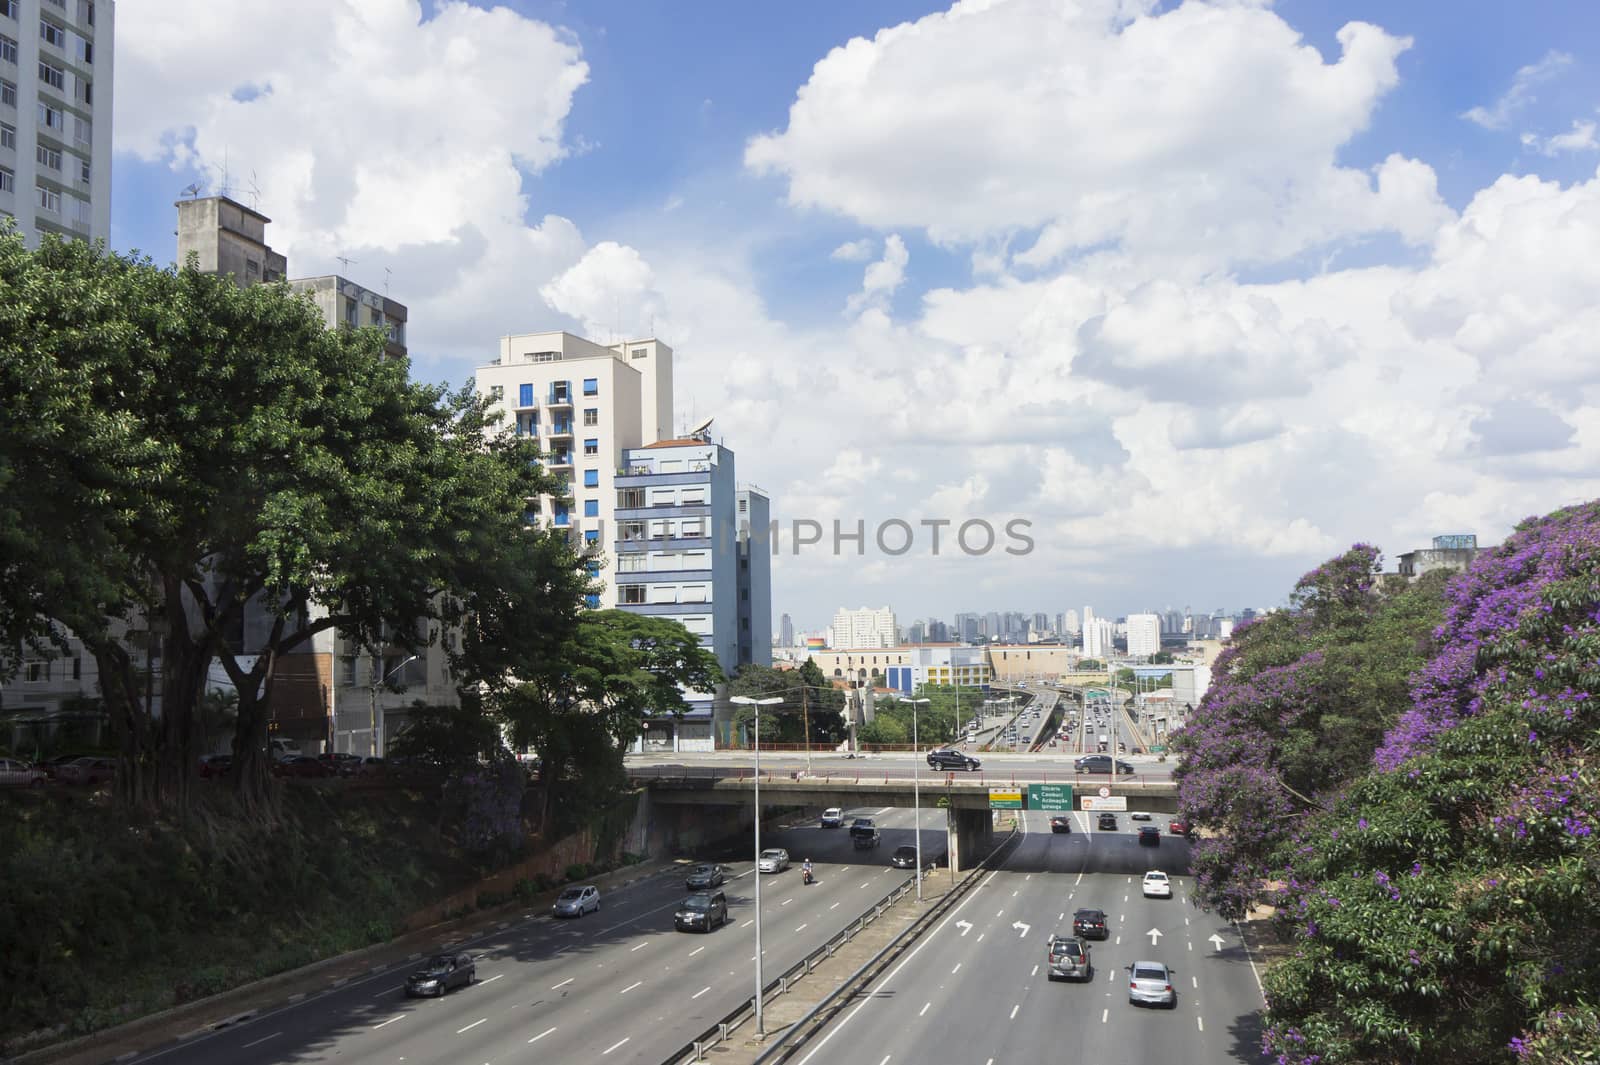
(185, 665)
(130, 724)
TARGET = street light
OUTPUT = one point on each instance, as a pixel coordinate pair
(745, 700)
(916, 782)
(378, 678)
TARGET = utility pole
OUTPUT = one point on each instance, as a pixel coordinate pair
(805, 719)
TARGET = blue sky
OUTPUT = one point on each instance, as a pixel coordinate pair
(1023, 356)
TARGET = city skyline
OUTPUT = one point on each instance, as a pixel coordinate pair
(1373, 333)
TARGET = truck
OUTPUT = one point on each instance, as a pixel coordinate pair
(864, 834)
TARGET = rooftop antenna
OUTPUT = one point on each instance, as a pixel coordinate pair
(225, 188)
(386, 275)
(192, 190)
(255, 193)
(345, 261)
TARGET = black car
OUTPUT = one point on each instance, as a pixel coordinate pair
(1090, 923)
(706, 877)
(1061, 823)
(1100, 763)
(440, 973)
(904, 858)
(1149, 836)
(946, 759)
(701, 912)
(864, 833)
(1108, 822)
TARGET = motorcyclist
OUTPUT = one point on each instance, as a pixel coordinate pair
(805, 871)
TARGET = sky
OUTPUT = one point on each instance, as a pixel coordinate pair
(1175, 300)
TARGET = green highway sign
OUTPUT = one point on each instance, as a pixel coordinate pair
(1049, 796)
(1158, 749)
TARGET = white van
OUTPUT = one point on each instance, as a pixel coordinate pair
(282, 749)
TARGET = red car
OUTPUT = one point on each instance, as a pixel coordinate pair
(1178, 828)
(303, 766)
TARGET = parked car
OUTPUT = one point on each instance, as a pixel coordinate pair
(1149, 836)
(440, 973)
(15, 773)
(52, 766)
(88, 771)
(302, 767)
(1067, 958)
(832, 817)
(372, 767)
(705, 877)
(342, 764)
(1061, 823)
(283, 748)
(215, 765)
(904, 858)
(1100, 763)
(1108, 822)
(947, 759)
(1178, 828)
(1156, 885)
(1090, 924)
(1150, 984)
(775, 860)
(701, 912)
(577, 901)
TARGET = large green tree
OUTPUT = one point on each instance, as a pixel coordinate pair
(808, 700)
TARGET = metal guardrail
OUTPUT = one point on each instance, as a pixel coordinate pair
(687, 774)
(694, 1050)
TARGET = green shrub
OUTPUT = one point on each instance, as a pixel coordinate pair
(577, 871)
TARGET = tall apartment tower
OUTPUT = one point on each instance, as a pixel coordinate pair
(585, 404)
(786, 631)
(55, 117)
(865, 628)
(1144, 635)
(755, 575)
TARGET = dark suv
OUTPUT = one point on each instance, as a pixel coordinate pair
(701, 912)
(1108, 822)
(864, 834)
(946, 759)
(1091, 924)
(706, 877)
(1100, 763)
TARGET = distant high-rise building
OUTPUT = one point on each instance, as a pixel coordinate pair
(991, 626)
(967, 628)
(864, 628)
(1070, 623)
(1144, 635)
(938, 631)
(917, 634)
(55, 117)
(786, 632)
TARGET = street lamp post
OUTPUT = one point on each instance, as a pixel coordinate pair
(916, 783)
(746, 700)
(378, 677)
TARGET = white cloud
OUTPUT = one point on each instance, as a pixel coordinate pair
(1102, 122)
(1581, 138)
(882, 278)
(855, 251)
(595, 290)
(1499, 114)
(354, 133)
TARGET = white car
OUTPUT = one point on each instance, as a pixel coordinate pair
(773, 861)
(16, 773)
(833, 817)
(1156, 885)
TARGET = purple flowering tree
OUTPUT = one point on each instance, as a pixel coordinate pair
(1299, 701)
(1448, 907)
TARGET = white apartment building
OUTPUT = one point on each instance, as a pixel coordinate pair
(1099, 635)
(865, 628)
(1144, 635)
(55, 116)
(585, 404)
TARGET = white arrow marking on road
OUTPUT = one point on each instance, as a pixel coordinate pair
(1154, 934)
(1216, 941)
(1023, 927)
(965, 926)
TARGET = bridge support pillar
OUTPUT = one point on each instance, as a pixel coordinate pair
(971, 837)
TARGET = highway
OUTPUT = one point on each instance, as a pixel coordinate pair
(974, 990)
(1043, 765)
(618, 986)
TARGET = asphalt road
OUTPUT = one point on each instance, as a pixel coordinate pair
(1043, 765)
(975, 989)
(618, 986)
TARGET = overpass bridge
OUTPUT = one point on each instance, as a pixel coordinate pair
(967, 799)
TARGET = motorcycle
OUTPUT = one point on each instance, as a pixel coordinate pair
(806, 877)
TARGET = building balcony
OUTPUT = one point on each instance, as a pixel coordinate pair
(560, 460)
(665, 510)
(633, 545)
(561, 429)
(559, 399)
(658, 576)
(640, 477)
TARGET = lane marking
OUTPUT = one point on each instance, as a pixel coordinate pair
(1196, 981)
(639, 947)
(1119, 941)
(1014, 895)
(492, 979)
(1104, 1015)
(471, 1026)
(1014, 1010)
(541, 1035)
(864, 883)
(835, 906)
(920, 1012)
(980, 936)
(630, 987)
(956, 969)
(391, 1020)
(885, 810)
(564, 983)
(748, 923)
(802, 928)
(695, 951)
(700, 992)
(614, 1046)
(1035, 971)
(1250, 957)
(1061, 916)
(885, 1060)
(1191, 944)
(1200, 1023)
(786, 901)
(263, 1039)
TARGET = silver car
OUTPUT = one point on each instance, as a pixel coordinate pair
(577, 901)
(1150, 984)
(775, 860)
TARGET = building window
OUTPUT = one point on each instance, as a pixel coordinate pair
(630, 497)
(593, 601)
(48, 158)
(8, 49)
(591, 416)
(51, 117)
(497, 393)
(543, 356)
(640, 353)
(591, 386)
(591, 447)
(81, 130)
(49, 200)
(525, 395)
(630, 594)
(8, 180)
(53, 76)
(83, 171)
(52, 34)
(591, 536)
(8, 93)
(631, 563)
(561, 515)
(591, 478)
(77, 668)
(591, 508)
(252, 270)
(8, 136)
(84, 50)
(8, 8)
